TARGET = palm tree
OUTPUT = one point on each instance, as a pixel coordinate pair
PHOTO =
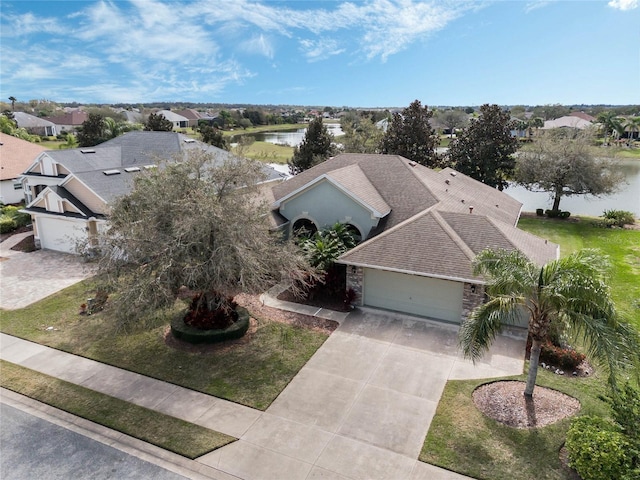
(13, 101)
(113, 128)
(570, 293)
(633, 124)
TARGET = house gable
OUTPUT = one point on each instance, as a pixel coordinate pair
(325, 202)
(58, 200)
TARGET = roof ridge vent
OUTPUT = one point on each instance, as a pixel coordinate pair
(111, 172)
(88, 150)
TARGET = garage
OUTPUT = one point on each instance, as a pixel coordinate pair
(424, 296)
(60, 234)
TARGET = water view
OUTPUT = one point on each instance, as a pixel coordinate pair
(291, 138)
(627, 198)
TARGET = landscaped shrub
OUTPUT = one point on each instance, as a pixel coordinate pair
(190, 334)
(7, 224)
(540, 212)
(597, 449)
(552, 213)
(565, 214)
(565, 358)
(13, 212)
(619, 217)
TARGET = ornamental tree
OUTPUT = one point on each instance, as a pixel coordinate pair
(198, 226)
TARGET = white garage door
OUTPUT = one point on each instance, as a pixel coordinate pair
(424, 296)
(60, 234)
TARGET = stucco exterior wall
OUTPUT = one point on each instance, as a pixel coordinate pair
(325, 205)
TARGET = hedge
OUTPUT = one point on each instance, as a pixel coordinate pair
(190, 334)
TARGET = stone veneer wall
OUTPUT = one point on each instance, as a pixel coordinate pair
(471, 300)
(355, 281)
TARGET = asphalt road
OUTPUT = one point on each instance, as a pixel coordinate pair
(34, 449)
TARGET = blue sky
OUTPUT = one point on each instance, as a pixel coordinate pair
(362, 53)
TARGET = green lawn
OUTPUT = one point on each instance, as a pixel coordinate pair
(464, 440)
(252, 372)
(621, 246)
(268, 152)
(166, 432)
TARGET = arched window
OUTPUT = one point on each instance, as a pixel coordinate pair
(353, 230)
(304, 227)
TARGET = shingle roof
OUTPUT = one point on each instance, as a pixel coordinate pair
(568, 121)
(16, 155)
(71, 118)
(133, 149)
(26, 120)
(430, 229)
(353, 179)
(172, 116)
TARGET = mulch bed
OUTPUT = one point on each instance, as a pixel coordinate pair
(504, 402)
(4, 236)
(25, 245)
(258, 311)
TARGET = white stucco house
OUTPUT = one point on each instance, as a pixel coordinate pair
(68, 192)
(420, 230)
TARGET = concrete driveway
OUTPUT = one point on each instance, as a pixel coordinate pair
(26, 278)
(362, 405)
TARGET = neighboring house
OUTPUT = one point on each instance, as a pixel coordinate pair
(131, 116)
(583, 116)
(569, 121)
(69, 122)
(68, 191)
(191, 115)
(421, 229)
(178, 120)
(35, 125)
(15, 155)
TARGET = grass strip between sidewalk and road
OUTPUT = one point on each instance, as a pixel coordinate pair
(164, 431)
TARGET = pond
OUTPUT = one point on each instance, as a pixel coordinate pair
(626, 198)
(291, 138)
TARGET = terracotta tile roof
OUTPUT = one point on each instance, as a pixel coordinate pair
(16, 155)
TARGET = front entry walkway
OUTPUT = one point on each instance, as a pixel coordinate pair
(361, 407)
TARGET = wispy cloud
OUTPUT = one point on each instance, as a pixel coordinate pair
(536, 5)
(623, 4)
(200, 46)
(320, 49)
(258, 44)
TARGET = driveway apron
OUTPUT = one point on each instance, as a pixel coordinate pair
(362, 405)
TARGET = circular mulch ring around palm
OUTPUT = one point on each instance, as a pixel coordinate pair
(504, 402)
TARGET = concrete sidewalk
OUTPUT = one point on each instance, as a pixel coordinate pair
(359, 409)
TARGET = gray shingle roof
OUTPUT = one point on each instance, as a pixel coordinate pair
(137, 148)
(430, 229)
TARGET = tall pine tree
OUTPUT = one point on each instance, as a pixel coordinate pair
(315, 148)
